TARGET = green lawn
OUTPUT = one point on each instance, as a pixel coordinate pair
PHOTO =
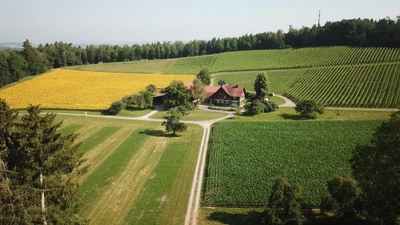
(277, 100)
(288, 113)
(195, 115)
(145, 66)
(280, 80)
(126, 113)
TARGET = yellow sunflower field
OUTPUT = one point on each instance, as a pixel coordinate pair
(68, 89)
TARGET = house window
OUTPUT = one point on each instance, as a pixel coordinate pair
(224, 97)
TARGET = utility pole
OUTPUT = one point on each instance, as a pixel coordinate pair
(319, 19)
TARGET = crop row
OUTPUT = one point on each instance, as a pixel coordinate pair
(350, 86)
(245, 158)
(192, 65)
(68, 89)
(303, 58)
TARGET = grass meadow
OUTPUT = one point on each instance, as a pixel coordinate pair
(135, 172)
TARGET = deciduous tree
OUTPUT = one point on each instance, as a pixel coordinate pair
(176, 94)
(151, 88)
(204, 76)
(198, 92)
(376, 167)
(309, 108)
(115, 107)
(284, 204)
(341, 200)
(173, 124)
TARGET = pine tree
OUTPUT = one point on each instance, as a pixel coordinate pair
(42, 165)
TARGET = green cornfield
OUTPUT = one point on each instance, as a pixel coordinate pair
(192, 65)
(303, 58)
(244, 158)
(350, 86)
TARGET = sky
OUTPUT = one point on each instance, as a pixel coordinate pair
(133, 21)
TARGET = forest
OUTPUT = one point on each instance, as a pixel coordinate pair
(15, 64)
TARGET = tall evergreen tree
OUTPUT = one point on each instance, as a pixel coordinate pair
(261, 86)
(43, 163)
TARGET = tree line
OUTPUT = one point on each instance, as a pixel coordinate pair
(15, 64)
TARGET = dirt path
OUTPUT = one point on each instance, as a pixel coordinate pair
(288, 102)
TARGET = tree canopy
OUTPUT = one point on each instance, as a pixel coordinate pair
(376, 168)
(198, 92)
(172, 123)
(344, 193)
(205, 76)
(284, 204)
(176, 95)
(309, 108)
(261, 86)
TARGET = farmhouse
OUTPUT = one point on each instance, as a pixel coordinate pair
(227, 95)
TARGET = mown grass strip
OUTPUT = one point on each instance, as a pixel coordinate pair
(97, 138)
(70, 129)
(147, 208)
(95, 184)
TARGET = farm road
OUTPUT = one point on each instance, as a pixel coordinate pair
(195, 192)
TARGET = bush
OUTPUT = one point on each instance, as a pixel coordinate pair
(309, 108)
(115, 107)
(270, 106)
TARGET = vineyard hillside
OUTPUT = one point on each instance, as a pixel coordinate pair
(245, 158)
(303, 58)
(350, 86)
(192, 65)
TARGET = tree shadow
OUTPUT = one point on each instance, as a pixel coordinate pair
(157, 133)
(107, 113)
(251, 217)
(134, 108)
(288, 116)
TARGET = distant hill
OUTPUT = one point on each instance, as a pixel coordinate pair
(10, 45)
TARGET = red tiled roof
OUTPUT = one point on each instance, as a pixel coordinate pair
(189, 85)
(234, 90)
(210, 90)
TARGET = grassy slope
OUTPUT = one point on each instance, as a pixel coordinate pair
(280, 80)
(147, 66)
(271, 149)
(192, 65)
(124, 157)
(195, 115)
(284, 113)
